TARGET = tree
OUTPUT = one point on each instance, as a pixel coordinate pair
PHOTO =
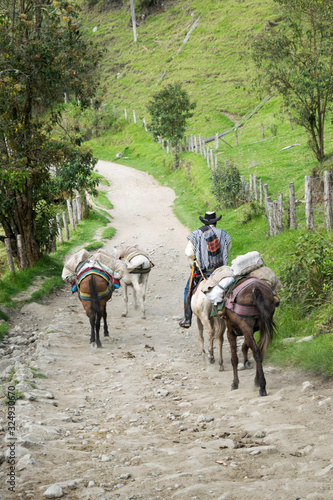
(295, 58)
(42, 55)
(170, 108)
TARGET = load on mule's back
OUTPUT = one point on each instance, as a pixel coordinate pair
(245, 295)
(94, 278)
(134, 267)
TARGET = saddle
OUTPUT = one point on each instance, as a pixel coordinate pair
(94, 267)
(231, 295)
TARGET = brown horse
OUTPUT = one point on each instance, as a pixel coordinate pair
(249, 308)
(94, 292)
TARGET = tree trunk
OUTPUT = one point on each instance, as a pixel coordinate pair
(22, 221)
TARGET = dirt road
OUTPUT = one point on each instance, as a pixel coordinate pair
(146, 417)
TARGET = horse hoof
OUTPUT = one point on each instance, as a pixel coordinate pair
(234, 387)
(106, 334)
(93, 345)
(212, 361)
(221, 369)
(248, 365)
(262, 391)
(124, 315)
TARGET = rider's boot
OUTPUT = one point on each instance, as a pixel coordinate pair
(186, 321)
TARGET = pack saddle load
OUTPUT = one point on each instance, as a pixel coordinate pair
(82, 264)
(221, 288)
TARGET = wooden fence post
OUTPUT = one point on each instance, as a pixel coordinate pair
(78, 207)
(196, 144)
(74, 208)
(212, 159)
(70, 213)
(261, 192)
(133, 20)
(125, 114)
(255, 187)
(145, 124)
(64, 218)
(134, 116)
(200, 145)
(58, 219)
(114, 111)
(262, 131)
(265, 198)
(279, 214)
(270, 216)
(251, 184)
(21, 251)
(9, 255)
(308, 203)
(216, 142)
(292, 206)
(236, 137)
(328, 200)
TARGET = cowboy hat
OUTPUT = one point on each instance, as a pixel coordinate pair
(210, 218)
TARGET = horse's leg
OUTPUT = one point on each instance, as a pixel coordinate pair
(97, 327)
(139, 294)
(104, 315)
(125, 294)
(200, 335)
(234, 358)
(259, 380)
(92, 324)
(247, 363)
(211, 333)
(219, 332)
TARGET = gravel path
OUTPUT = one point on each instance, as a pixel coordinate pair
(146, 417)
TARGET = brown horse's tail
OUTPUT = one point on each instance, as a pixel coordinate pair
(267, 324)
(95, 309)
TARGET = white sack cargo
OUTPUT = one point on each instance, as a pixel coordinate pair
(216, 294)
(72, 263)
(244, 264)
(216, 277)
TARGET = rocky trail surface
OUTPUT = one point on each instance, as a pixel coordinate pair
(146, 416)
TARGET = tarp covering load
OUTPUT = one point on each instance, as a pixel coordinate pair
(73, 262)
(250, 265)
(137, 262)
(83, 260)
(244, 264)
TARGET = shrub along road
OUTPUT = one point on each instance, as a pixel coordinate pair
(146, 417)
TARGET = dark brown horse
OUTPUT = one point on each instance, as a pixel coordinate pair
(94, 292)
(250, 307)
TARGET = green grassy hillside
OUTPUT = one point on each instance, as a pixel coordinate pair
(216, 69)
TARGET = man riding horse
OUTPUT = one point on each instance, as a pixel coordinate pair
(208, 249)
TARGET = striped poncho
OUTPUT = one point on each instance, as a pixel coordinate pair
(210, 246)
